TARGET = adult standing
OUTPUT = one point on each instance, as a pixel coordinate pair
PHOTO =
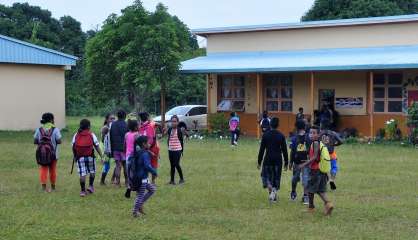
(272, 153)
(117, 142)
(47, 137)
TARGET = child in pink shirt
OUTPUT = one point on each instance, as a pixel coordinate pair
(130, 138)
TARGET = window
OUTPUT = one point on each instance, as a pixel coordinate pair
(197, 111)
(278, 93)
(232, 93)
(387, 92)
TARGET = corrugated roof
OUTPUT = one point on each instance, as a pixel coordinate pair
(16, 51)
(308, 24)
(392, 57)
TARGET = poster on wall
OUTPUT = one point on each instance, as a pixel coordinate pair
(349, 102)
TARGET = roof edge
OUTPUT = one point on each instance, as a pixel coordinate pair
(308, 24)
(38, 47)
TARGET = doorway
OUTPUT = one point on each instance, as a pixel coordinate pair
(326, 96)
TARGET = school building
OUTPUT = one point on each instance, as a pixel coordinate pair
(366, 68)
(32, 81)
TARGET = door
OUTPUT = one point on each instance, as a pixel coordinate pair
(412, 97)
(326, 96)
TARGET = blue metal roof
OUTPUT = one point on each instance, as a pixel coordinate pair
(16, 51)
(391, 57)
(308, 24)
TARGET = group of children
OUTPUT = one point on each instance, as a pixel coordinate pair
(313, 160)
(132, 144)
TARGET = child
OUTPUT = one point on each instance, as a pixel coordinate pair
(117, 141)
(139, 169)
(107, 150)
(265, 122)
(84, 142)
(274, 144)
(317, 180)
(234, 128)
(331, 140)
(147, 128)
(300, 115)
(175, 149)
(47, 137)
(130, 147)
(299, 155)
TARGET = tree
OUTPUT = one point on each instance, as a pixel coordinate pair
(343, 9)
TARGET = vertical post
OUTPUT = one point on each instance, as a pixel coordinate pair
(370, 105)
(312, 88)
(259, 102)
(208, 91)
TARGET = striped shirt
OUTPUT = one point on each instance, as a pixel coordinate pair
(174, 142)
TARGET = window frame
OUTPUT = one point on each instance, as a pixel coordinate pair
(280, 87)
(232, 88)
(386, 99)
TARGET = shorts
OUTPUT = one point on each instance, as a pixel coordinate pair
(297, 172)
(271, 176)
(334, 167)
(119, 156)
(317, 182)
(86, 165)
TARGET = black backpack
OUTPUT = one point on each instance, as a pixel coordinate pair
(45, 153)
(301, 153)
(133, 178)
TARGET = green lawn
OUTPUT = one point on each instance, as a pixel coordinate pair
(222, 199)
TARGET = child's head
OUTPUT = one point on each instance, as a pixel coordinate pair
(84, 125)
(47, 118)
(233, 114)
(109, 118)
(265, 114)
(274, 123)
(133, 125)
(143, 116)
(301, 109)
(174, 121)
(300, 125)
(121, 115)
(314, 133)
(142, 142)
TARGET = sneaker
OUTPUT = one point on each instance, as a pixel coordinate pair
(90, 189)
(141, 210)
(53, 187)
(136, 214)
(293, 196)
(333, 186)
(235, 143)
(276, 198)
(328, 208)
(181, 182)
(271, 196)
(128, 193)
(83, 194)
(305, 200)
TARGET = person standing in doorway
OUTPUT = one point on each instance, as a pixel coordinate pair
(272, 154)
(117, 139)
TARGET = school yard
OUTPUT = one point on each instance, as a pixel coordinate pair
(222, 199)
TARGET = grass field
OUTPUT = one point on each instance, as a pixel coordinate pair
(377, 197)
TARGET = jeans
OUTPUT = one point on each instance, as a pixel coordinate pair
(297, 173)
(235, 136)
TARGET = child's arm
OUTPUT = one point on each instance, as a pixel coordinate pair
(261, 152)
(147, 164)
(292, 154)
(97, 146)
(284, 153)
(315, 155)
(338, 140)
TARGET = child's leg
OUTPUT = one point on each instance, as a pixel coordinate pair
(324, 197)
(177, 165)
(172, 165)
(106, 167)
(118, 168)
(295, 178)
(311, 200)
(43, 176)
(91, 179)
(151, 188)
(125, 173)
(83, 183)
(232, 137)
(53, 173)
(237, 134)
(139, 200)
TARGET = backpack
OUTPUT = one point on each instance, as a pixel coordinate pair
(133, 178)
(301, 151)
(265, 124)
(84, 145)
(324, 159)
(45, 153)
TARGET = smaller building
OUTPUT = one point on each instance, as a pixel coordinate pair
(32, 81)
(366, 68)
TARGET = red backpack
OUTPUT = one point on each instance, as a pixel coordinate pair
(83, 145)
(45, 153)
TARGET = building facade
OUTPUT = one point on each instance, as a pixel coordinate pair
(32, 81)
(367, 69)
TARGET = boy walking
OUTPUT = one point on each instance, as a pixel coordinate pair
(319, 168)
(299, 155)
(117, 142)
(84, 142)
(272, 153)
(331, 140)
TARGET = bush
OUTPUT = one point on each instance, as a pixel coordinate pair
(412, 122)
(218, 123)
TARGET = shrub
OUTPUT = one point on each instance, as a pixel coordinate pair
(218, 123)
(392, 130)
(412, 123)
